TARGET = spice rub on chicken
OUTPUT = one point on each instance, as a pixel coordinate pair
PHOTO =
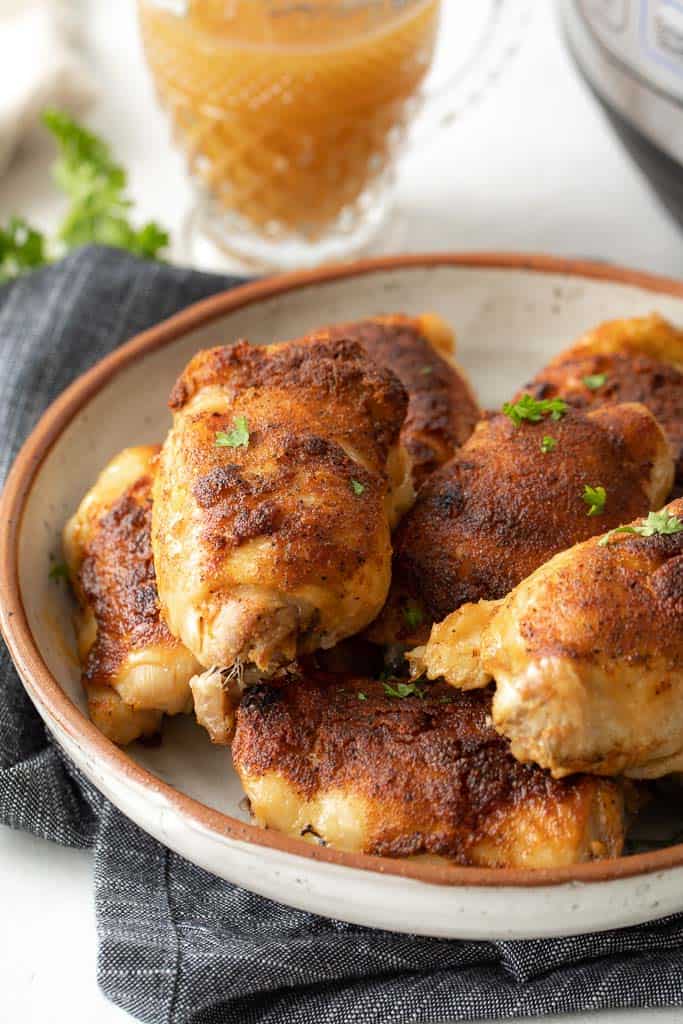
(134, 671)
(586, 654)
(632, 360)
(442, 408)
(404, 770)
(520, 490)
(277, 489)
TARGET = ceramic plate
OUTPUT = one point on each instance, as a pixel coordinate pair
(511, 313)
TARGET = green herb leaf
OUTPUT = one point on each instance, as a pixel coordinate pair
(99, 212)
(595, 498)
(59, 571)
(361, 695)
(402, 690)
(357, 487)
(595, 381)
(426, 369)
(238, 437)
(412, 615)
(657, 523)
(548, 443)
(534, 409)
(22, 248)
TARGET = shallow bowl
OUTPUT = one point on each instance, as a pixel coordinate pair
(511, 313)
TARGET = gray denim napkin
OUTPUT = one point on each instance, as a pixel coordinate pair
(177, 945)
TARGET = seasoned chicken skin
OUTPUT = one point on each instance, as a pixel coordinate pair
(636, 360)
(134, 671)
(442, 409)
(586, 655)
(503, 506)
(336, 760)
(277, 488)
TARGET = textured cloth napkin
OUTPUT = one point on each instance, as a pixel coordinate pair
(177, 945)
(40, 65)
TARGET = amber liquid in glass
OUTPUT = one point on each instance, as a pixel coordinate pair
(290, 113)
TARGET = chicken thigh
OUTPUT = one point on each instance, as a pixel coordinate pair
(340, 761)
(636, 360)
(586, 654)
(442, 409)
(278, 486)
(514, 495)
(134, 671)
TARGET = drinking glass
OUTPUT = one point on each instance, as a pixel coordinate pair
(292, 115)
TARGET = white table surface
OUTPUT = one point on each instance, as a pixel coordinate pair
(532, 168)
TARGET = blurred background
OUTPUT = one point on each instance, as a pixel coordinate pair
(521, 156)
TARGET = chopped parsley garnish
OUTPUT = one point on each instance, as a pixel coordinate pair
(238, 437)
(426, 369)
(534, 409)
(660, 523)
(548, 443)
(361, 695)
(412, 615)
(59, 571)
(357, 487)
(595, 380)
(402, 690)
(595, 498)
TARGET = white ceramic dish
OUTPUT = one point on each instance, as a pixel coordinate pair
(511, 313)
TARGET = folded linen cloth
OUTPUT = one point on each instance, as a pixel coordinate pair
(40, 66)
(177, 945)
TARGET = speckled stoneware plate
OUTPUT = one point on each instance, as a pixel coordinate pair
(511, 313)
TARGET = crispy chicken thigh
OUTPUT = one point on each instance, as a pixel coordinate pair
(278, 486)
(134, 671)
(442, 409)
(586, 655)
(336, 760)
(637, 360)
(503, 506)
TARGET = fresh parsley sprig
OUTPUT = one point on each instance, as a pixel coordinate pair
(96, 185)
(238, 437)
(548, 443)
(660, 524)
(401, 690)
(59, 571)
(412, 615)
(22, 248)
(534, 409)
(595, 380)
(595, 498)
(98, 212)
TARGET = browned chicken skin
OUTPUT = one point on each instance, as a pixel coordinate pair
(641, 360)
(442, 409)
(134, 671)
(586, 655)
(334, 759)
(278, 542)
(502, 506)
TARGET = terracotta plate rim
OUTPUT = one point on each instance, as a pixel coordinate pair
(57, 706)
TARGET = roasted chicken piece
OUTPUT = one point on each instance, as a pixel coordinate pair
(134, 671)
(636, 360)
(442, 409)
(277, 488)
(339, 761)
(586, 654)
(512, 497)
